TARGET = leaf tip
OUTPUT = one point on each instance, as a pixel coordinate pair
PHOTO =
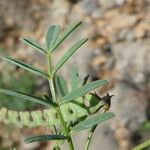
(79, 22)
(86, 39)
(106, 82)
(4, 58)
(21, 39)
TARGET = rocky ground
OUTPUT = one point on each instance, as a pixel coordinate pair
(118, 50)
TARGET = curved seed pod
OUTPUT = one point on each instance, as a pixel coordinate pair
(13, 116)
(37, 118)
(3, 113)
(25, 118)
(51, 117)
(47, 117)
(72, 112)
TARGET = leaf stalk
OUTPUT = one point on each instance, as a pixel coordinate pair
(58, 110)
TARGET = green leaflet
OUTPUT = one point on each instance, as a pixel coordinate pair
(52, 35)
(26, 66)
(61, 85)
(68, 54)
(72, 112)
(74, 79)
(12, 115)
(44, 138)
(65, 34)
(25, 97)
(83, 90)
(90, 122)
(33, 44)
(47, 117)
(142, 146)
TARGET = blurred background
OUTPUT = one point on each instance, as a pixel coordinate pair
(118, 50)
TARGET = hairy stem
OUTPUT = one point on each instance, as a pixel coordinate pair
(90, 137)
(58, 110)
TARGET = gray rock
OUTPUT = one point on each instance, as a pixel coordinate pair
(132, 61)
(102, 139)
(107, 4)
(125, 35)
(90, 8)
(128, 105)
(59, 11)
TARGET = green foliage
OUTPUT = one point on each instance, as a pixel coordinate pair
(90, 122)
(83, 90)
(68, 54)
(143, 145)
(61, 85)
(69, 111)
(25, 66)
(44, 138)
(25, 97)
(65, 34)
(33, 44)
(74, 78)
(10, 79)
(145, 126)
(52, 35)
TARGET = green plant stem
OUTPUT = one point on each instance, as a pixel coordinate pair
(58, 110)
(142, 146)
(58, 144)
(61, 116)
(49, 73)
(90, 137)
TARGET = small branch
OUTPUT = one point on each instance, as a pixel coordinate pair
(144, 145)
(88, 142)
